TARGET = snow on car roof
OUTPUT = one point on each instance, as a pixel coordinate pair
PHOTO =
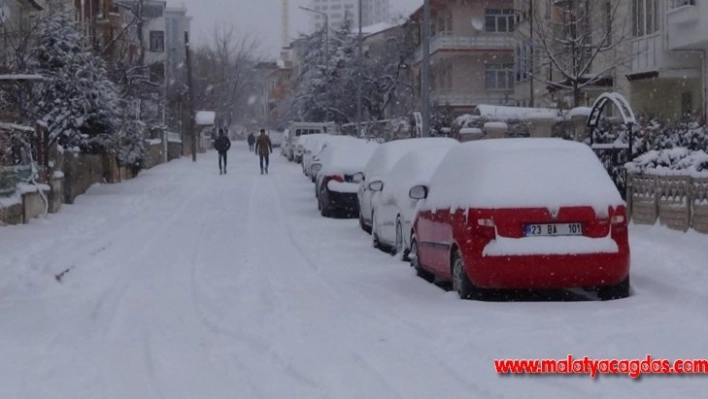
(389, 153)
(522, 173)
(347, 156)
(415, 168)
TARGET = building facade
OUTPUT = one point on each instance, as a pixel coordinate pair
(176, 24)
(471, 51)
(372, 12)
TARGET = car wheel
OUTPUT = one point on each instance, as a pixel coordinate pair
(398, 248)
(617, 291)
(415, 263)
(460, 281)
(374, 236)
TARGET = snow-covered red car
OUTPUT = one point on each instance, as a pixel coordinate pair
(522, 214)
(394, 212)
(339, 172)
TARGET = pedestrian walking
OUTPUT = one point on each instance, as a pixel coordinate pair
(264, 148)
(251, 141)
(222, 144)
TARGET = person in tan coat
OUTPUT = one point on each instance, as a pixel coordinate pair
(264, 148)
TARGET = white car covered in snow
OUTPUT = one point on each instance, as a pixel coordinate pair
(339, 173)
(394, 213)
(378, 167)
(312, 153)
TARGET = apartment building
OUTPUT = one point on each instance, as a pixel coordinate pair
(176, 24)
(472, 52)
(372, 12)
(570, 51)
(667, 76)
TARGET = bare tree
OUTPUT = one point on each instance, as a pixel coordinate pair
(224, 68)
(577, 43)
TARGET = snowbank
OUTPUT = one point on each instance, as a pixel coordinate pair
(522, 173)
(503, 246)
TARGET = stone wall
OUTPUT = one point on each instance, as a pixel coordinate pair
(154, 155)
(82, 171)
(174, 150)
(677, 202)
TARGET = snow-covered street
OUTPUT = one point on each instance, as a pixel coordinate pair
(186, 284)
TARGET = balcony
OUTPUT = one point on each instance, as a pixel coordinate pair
(650, 57)
(687, 25)
(470, 100)
(481, 41)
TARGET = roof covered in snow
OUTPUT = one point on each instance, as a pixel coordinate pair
(377, 28)
(505, 112)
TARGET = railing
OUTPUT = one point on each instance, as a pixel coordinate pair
(478, 41)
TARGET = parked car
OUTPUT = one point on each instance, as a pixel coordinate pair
(379, 165)
(339, 173)
(522, 214)
(312, 151)
(392, 224)
(276, 139)
(285, 148)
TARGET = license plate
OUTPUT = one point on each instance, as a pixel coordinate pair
(554, 229)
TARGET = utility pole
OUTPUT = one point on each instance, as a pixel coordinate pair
(192, 127)
(326, 45)
(425, 79)
(531, 59)
(359, 75)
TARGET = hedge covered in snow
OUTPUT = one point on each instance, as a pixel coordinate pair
(674, 161)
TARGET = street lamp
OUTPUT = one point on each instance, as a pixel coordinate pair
(326, 22)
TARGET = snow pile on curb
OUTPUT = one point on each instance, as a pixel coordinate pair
(671, 162)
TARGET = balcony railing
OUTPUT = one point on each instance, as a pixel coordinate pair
(682, 3)
(481, 41)
(468, 100)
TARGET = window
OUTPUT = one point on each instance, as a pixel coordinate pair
(522, 66)
(157, 72)
(681, 3)
(645, 17)
(499, 20)
(157, 41)
(499, 76)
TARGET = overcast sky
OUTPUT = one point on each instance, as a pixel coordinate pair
(260, 18)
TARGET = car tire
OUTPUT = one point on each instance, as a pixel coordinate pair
(617, 291)
(415, 263)
(398, 248)
(460, 281)
(374, 236)
(363, 225)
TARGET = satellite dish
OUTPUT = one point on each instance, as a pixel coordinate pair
(478, 24)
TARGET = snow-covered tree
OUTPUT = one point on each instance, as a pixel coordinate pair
(576, 44)
(77, 100)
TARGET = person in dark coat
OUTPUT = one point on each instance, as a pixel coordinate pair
(264, 148)
(251, 141)
(222, 145)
